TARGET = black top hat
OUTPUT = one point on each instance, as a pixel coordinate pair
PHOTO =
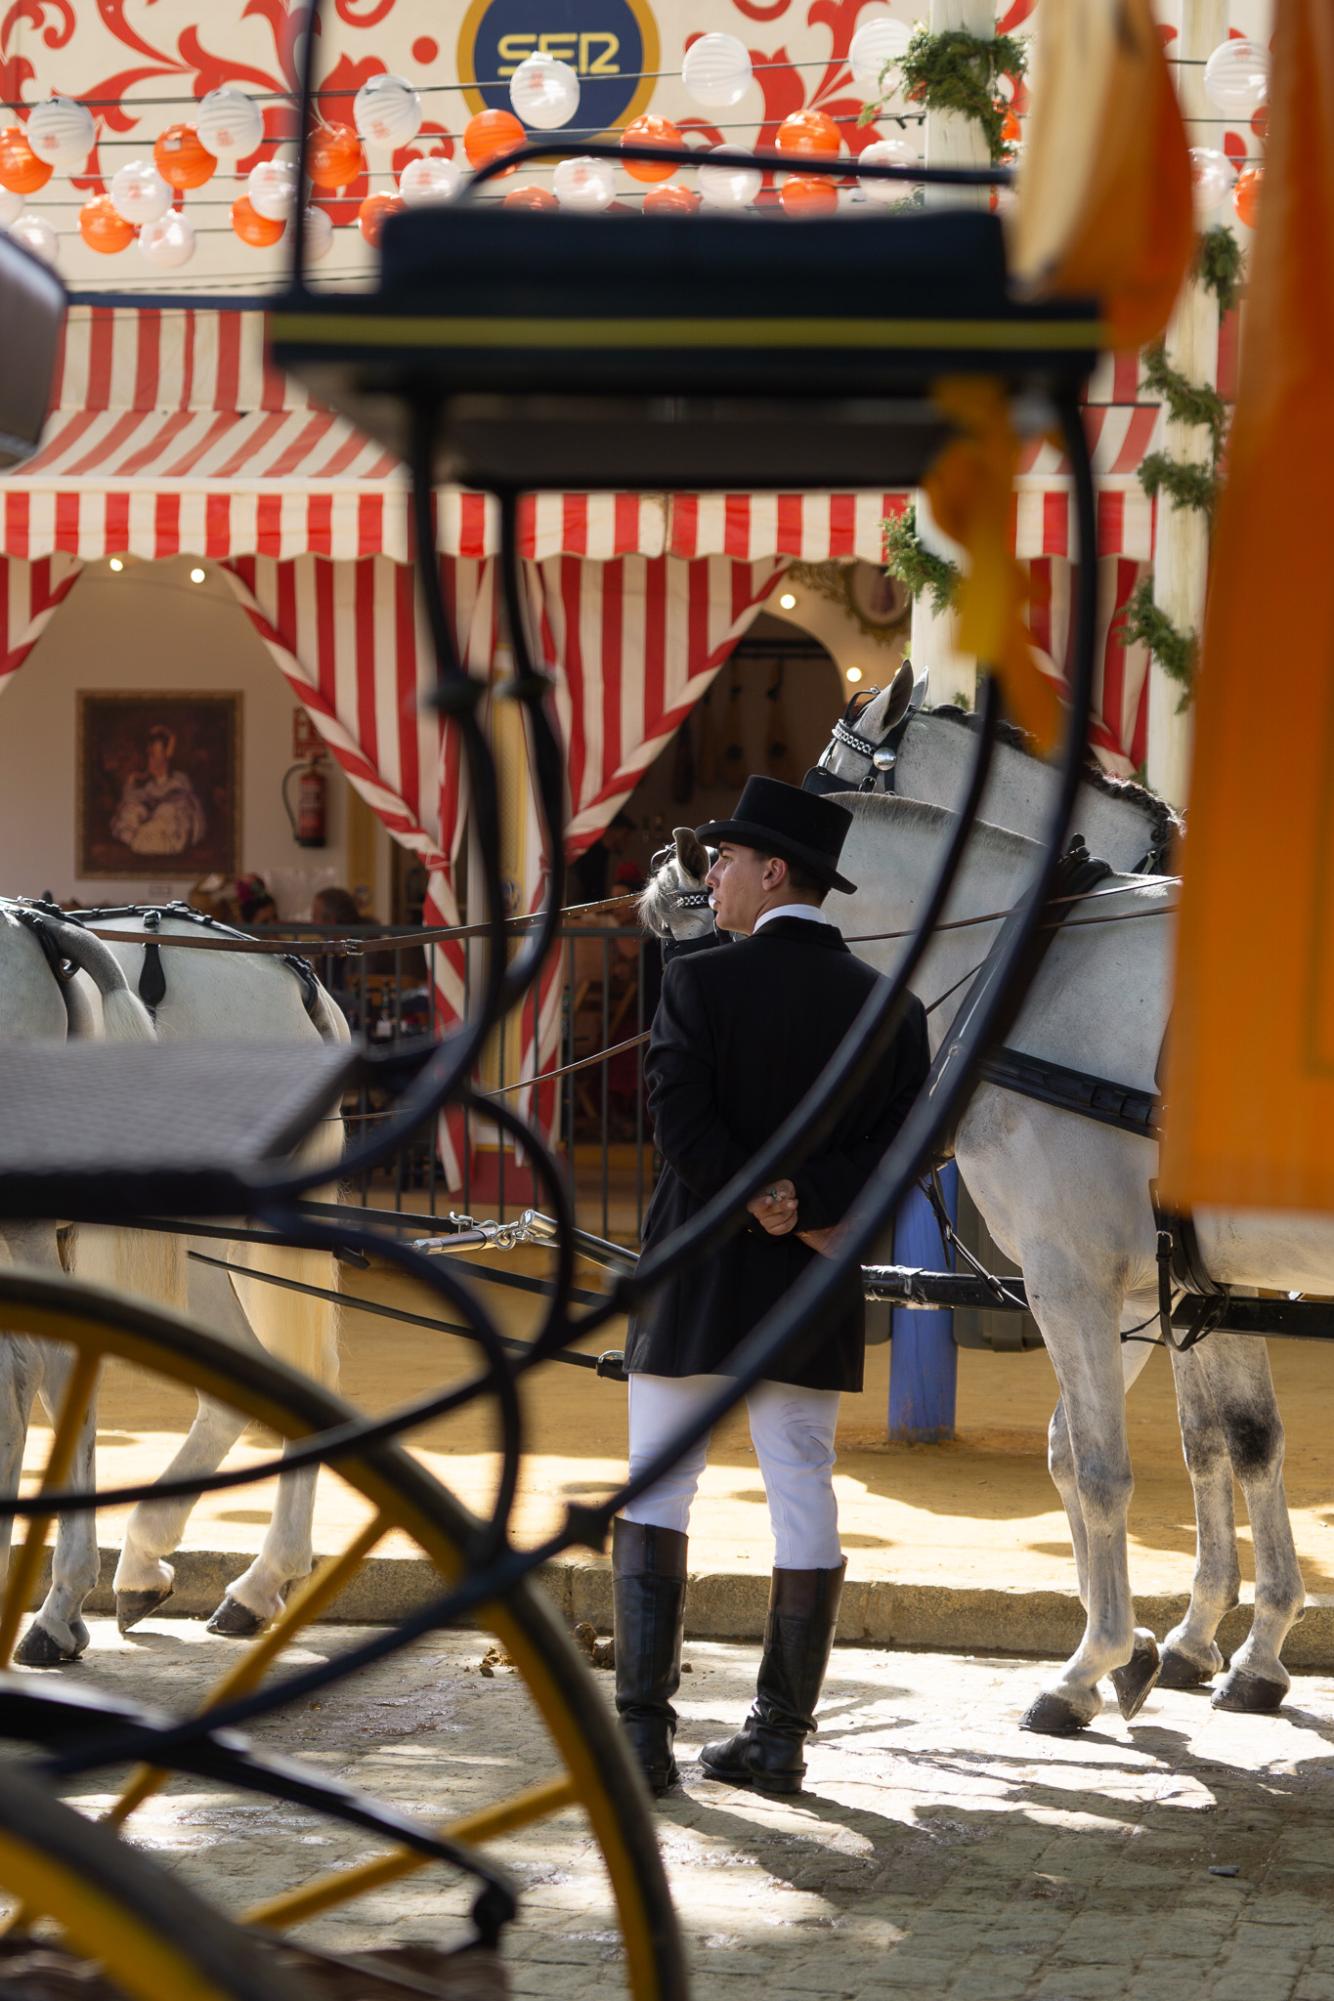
(783, 820)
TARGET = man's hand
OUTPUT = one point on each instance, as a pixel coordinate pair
(775, 1208)
(826, 1242)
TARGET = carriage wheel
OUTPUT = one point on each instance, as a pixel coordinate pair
(152, 1936)
(591, 1766)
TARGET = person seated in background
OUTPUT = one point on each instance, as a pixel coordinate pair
(591, 872)
(254, 901)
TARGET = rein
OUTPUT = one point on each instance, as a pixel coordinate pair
(997, 916)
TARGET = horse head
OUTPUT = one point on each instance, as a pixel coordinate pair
(675, 903)
(863, 749)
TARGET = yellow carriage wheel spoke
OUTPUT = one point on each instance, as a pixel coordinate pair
(340, 1886)
(600, 1779)
(64, 1443)
(312, 1597)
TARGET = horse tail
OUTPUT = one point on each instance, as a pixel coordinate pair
(124, 1016)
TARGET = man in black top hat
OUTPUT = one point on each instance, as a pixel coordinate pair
(739, 1037)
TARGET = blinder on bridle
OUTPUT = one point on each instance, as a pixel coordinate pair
(882, 757)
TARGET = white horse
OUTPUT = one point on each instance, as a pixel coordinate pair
(36, 1005)
(216, 996)
(890, 740)
(225, 996)
(1069, 1201)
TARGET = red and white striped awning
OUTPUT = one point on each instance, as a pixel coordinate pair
(172, 435)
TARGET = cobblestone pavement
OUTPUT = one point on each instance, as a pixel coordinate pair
(937, 1850)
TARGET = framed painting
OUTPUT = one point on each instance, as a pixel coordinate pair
(158, 783)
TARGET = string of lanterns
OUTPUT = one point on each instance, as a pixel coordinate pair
(142, 201)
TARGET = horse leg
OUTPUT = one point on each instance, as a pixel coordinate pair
(1190, 1652)
(1061, 1462)
(1079, 1323)
(1243, 1389)
(57, 1632)
(20, 1373)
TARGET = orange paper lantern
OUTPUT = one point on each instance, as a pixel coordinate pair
(259, 231)
(650, 130)
(1011, 130)
(809, 132)
(491, 134)
(20, 169)
(182, 160)
(334, 158)
(671, 201)
(530, 198)
(103, 228)
(371, 215)
(809, 194)
(1246, 195)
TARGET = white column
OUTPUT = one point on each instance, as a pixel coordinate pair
(1181, 547)
(950, 141)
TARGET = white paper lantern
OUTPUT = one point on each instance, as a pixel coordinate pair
(271, 187)
(584, 183)
(877, 42)
(1213, 177)
(717, 71)
(229, 123)
(11, 207)
(727, 179)
(387, 111)
(428, 180)
(544, 92)
(61, 132)
(168, 242)
(889, 153)
(139, 193)
(319, 234)
(1236, 77)
(37, 235)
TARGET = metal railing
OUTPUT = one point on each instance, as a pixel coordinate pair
(609, 976)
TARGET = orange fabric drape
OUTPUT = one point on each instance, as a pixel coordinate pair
(1250, 1093)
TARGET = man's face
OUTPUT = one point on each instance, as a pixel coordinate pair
(741, 881)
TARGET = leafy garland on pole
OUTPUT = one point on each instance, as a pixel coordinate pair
(959, 72)
(955, 71)
(917, 568)
(1186, 482)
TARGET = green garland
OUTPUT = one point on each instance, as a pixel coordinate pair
(917, 569)
(1186, 401)
(1176, 652)
(959, 72)
(1220, 265)
(1185, 483)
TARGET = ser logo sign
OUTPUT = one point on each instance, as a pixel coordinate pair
(610, 43)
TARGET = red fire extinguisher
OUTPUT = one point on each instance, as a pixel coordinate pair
(310, 814)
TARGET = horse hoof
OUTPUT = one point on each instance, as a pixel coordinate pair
(37, 1649)
(236, 1621)
(1178, 1670)
(1133, 1681)
(132, 1606)
(1253, 1694)
(1053, 1716)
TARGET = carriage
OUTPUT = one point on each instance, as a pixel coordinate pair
(569, 375)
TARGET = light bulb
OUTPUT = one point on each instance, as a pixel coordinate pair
(197, 575)
(788, 601)
(115, 563)
(853, 673)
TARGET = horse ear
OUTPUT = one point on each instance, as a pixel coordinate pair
(691, 852)
(901, 697)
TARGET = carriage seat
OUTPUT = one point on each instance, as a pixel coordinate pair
(102, 1131)
(659, 353)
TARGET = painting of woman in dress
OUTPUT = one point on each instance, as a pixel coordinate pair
(157, 784)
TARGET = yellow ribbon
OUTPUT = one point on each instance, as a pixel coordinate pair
(970, 488)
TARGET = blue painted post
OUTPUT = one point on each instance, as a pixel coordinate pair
(923, 1368)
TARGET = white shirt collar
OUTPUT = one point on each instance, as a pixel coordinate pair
(806, 910)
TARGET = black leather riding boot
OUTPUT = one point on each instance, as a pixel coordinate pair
(649, 1586)
(766, 1754)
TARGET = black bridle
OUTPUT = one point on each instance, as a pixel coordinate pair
(882, 756)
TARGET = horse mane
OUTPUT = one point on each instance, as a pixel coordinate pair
(986, 838)
(1163, 821)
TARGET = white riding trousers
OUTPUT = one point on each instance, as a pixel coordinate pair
(792, 1431)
